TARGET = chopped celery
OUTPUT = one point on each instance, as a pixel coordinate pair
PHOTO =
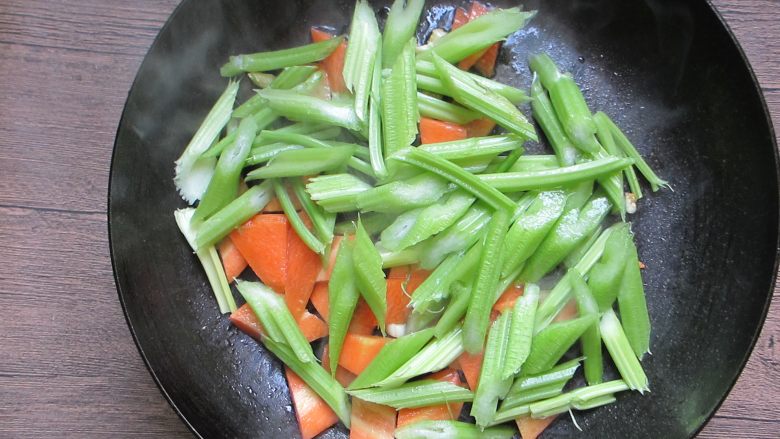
(545, 115)
(292, 76)
(457, 237)
(475, 147)
(428, 80)
(529, 388)
(591, 338)
(419, 191)
(434, 356)
(399, 102)
(193, 174)
(607, 140)
(323, 222)
(549, 344)
(521, 331)
(295, 219)
(301, 162)
(369, 277)
(392, 356)
(621, 352)
(436, 286)
(442, 110)
(583, 398)
(233, 215)
(451, 429)
(261, 80)
(534, 163)
(607, 274)
(633, 305)
(630, 150)
(407, 256)
(372, 222)
(400, 27)
(303, 108)
(359, 61)
(342, 300)
(375, 140)
(262, 154)
(415, 394)
(336, 193)
(552, 178)
(492, 385)
(265, 61)
(316, 130)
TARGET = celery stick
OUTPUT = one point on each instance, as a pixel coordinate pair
(359, 61)
(233, 215)
(451, 429)
(336, 193)
(435, 356)
(342, 300)
(392, 356)
(621, 352)
(295, 219)
(400, 27)
(399, 102)
(474, 147)
(521, 331)
(458, 237)
(419, 191)
(303, 108)
(301, 162)
(369, 276)
(416, 394)
(492, 385)
(428, 80)
(265, 61)
(549, 344)
(442, 110)
(552, 178)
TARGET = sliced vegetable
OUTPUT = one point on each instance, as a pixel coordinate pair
(416, 394)
(531, 428)
(433, 108)
(336, 193)
(304, 108)
(630, 150)
(400, 27)
(452, 429)
(300, 162)
(621, 352)
(231, 216)
(591, 338)
(400, 195)
(359, 351)
(266, 61)
(549, 344)
(364, 42)
(441, 412)
(521, 331)
(303, 267)
(342, 299)
(392, 356)
(552, 178)
(399, 102)
(232, 262)
(262, 241)
(545, 115)
(435, 131)
(369, 277)
(371, 421)
(530, 388)
(492, 385)
(313, 414)
(607, 274)
(333, 64)
(633, 305)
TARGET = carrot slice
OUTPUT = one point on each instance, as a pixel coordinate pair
(371, 421)
(343, 376)
(486, 64)
(434, 131)
(319, 298)
(441, 412)
(480, 127)
(262, 241)
(508, 298)
(333, 65)
(232, 261)
(312, 327)
(400, 286)
(359, 351)
(273, 206)
(531, 428)
(461, 18)
(314, 415)
(477, 10)
(303, 267)
(325, 272)
(363, 320)
(470, 365)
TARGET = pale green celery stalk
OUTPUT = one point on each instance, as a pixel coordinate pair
(477, 319)
(600, 394)
(223, 187)
(630, 150)
(192, 175)
(442, 110)
(308, 238)
(535, 163)
(265, 61)
(549, 344)
(293, 76)
(392, 356)
(262, 119)
(323, 222)
(434, 356)
(396, 196)
(261, 80)
(272, 312)
(316, 130)
(454, 173)
(531, 228)
(452, 429)
(315, 377)
(263, 154)
(342, 300)
(468, 92)
(420, 224)
(209, 259)
(509, 161)
(633, 304)
(521, 331)
(577, 254)
(612, 184)
(249, 107)
(336, 193)
(359, 61)
(303, 108)
(425, 320)
(552, 178)
(568, 102)
(458, 237)
(607, 140)
(416, 394)
(459, 294)
(531, 388)
(372, 222)
(475, 147)
(369, 276)
(545, 115)
(492, 385)
(428, 80)
(399, 102)
(400, 27)
(578, 194)
(361, 166)
(621, 352)
(478, 34)
(301, 162)
(431, 84)
(436, 286)
(375, 140)
(406, 256)
(591, 338)
(312, 142)
(233, 215)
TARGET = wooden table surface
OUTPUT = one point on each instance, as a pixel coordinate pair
(68, 365)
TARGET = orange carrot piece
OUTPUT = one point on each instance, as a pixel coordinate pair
(319, 298)
(333, 65)
(568, 312)
(434, 131)
(314, 415)
(441, 412)
(262, 241)
(273, 206)
(508, 298)
(486, 64)
(398, 299)
(363, 320)
(470, 365)
(477, 10)
(531, 428)
(303, 267)
(325, 272)
(232, 261)
(343, 376)
(480, 127)
(312, 327)
(371, 421)
(359, 351)
(461, 18)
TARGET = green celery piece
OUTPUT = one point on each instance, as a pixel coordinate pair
(301, 162)
(303, 108)
(192, 175)
(312, 142)
(545, 115)
(477, 318)
(249, 107)
(492, 385)
(336, 193)
(471, 94)
(223, 187)
(372, 222)
(416, 394)
(581, 249)
(633, 305)
(591, 338)
(454, 173)
(263, 154)
(568, 102)
(359, 61)
(322, 222)
(308, 238)
(265, 61)
(400, 27)
(407, 256)
(262, 119)
(293, 76)
(531, 388)
(630, 150)
(478, 34)
(531, 228)
(428, 80)
(475, 147)
(436, 286)
(276, 318)
(607, 274)
(508, 162)
(452, 429)
(578, 195)
(621, 352)
(612, 184)
(552, 178)
(260, 79)
(607, 140)
(436, 355)
(399, 102)
(375, 140)
(342, 299)
(552, 342)
(397, 196)
(457, 237)
(392, 356)
(315, 377)
(425, 222)
(209, 259)
(316, 130)
(535, 163)
(521, 331)
(369, 276)
(456, 308)
(423, 320)
(233, 215)
(571, 229)
(579, 397)
(441, 110)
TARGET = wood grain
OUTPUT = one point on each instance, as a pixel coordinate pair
(68, 364)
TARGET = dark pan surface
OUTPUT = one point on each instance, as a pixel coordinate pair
(667, 71)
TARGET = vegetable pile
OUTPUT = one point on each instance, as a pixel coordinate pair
(363, 185)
